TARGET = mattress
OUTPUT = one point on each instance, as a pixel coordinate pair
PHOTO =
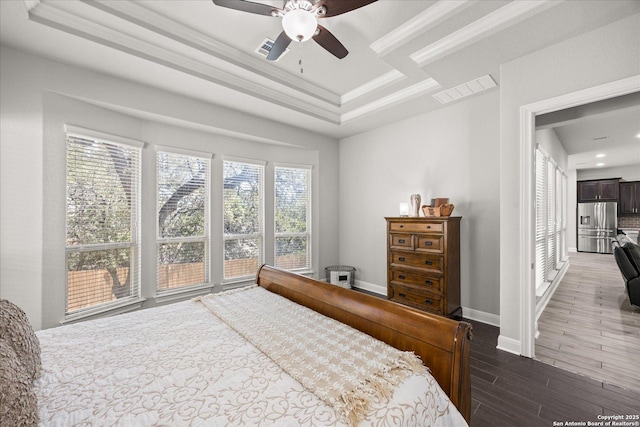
(181, 365)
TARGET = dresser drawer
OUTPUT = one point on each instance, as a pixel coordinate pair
(401, 241)
(432, 263)
(429, 243)
(416, 227)
(429, 282)
(416, 297)
(423, 263)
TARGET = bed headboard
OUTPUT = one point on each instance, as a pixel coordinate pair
(442, 344)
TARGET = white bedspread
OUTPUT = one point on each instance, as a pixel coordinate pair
(179, 365)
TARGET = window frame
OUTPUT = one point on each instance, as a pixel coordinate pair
(205, 238)
(135, 243)
(308, 223)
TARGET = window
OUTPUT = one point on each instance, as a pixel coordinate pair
(243, 205)
(541, 217)
(564, 251)
(292, 218)
(103, 220)
(551, 220)
(183, 219)
(550, 262)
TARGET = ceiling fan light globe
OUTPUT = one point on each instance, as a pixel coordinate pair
(299, 24)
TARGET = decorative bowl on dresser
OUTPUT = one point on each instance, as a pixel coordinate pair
(423, 263)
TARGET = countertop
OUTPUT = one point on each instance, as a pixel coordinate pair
(632, 233)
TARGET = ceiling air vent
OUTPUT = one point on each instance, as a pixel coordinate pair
(265, 48)
(466, 89)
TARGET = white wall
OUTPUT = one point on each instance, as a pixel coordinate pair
(451, 152)
(39, 96)
(600, 56)
(550, 143)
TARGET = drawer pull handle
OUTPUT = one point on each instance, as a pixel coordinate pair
(429, 301)
(428, 226)
(402, 226)
(401, 258)
(428, 243)
(429, 262)
(401, 277)
(402, 295)
(428, 282)
(401, 241)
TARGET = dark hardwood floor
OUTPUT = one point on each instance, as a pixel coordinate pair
(513, 391)
(509, 390)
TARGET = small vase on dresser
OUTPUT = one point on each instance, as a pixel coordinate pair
(423, 263)
(415, 204)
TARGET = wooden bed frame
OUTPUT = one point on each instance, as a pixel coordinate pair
(442, 344)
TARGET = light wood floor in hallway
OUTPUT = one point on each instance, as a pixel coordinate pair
(589, 327)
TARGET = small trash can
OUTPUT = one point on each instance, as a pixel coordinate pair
(341, 275)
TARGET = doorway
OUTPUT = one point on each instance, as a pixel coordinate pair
(528, 115)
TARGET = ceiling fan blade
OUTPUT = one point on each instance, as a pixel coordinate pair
(247, 6)
(328, 41)
(338, 7)
(279, 46)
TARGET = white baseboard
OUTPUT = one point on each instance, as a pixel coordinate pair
(572, 249)
(509, 345)
(481, 316)
(371, 287)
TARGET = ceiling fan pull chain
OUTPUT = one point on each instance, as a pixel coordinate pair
(300, 60)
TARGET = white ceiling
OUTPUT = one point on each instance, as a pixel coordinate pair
(604, 140)
(402, 52)
(603, 134)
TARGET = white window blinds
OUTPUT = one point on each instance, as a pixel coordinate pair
(541, 218)
(550, 221)
(243, 216)
(558, 217)
(183, 219)
(292, 218)
(102, 222)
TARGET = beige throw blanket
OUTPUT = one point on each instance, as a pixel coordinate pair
(342, 366)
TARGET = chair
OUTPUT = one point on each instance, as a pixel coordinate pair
(627, 255)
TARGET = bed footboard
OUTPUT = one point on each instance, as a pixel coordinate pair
(442, 344)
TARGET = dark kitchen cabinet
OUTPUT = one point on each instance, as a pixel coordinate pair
(602, 190)
(629, 198)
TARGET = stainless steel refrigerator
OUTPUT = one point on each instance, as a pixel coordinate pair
(597, 226)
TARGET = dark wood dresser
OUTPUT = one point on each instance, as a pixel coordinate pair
(423, 263)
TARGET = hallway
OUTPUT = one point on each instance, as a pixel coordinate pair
(589, 327)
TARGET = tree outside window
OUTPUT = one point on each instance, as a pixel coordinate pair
(243, 186)
(102, 250)
(182, 220)
(292, 218)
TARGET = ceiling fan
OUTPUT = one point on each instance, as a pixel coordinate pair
(300, 21)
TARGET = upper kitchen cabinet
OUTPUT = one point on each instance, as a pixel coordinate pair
(601, 190)
(629, 198)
